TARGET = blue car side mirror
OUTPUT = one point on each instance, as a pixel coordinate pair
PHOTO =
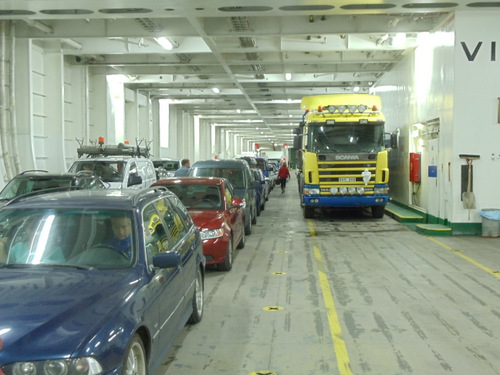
(167, 260)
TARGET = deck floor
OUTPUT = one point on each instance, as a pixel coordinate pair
(344, 293)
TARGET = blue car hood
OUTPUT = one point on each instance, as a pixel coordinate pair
(50, 312)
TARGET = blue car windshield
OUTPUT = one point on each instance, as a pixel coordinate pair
(89, 239)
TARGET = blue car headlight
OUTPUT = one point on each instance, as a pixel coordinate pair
(208, 234)
(77, 366)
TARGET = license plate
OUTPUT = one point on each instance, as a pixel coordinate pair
(347, 179)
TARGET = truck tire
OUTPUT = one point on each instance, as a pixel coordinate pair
(378, 212)
(308, 212)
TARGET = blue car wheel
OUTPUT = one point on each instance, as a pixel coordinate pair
(135, 358)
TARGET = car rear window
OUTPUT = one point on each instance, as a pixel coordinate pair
(235, 176)
(197, 196)
(108, 171)
(20, 186)
(167, 165)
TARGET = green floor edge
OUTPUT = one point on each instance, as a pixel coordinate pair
(419, 221)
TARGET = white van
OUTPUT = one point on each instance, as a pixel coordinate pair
(119, 172)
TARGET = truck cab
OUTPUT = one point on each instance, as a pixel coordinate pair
(342, 158)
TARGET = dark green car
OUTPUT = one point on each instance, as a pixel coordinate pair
(39, 180)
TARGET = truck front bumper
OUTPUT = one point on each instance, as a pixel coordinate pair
(343, 200)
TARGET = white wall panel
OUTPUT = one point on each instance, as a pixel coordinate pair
(419, 89)
(477, 131)
(460, 87)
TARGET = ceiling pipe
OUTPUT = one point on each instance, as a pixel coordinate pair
(3, 106)
(40, 26)
(12, 100)
(71, 43)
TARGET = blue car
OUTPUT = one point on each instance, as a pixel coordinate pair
(96, 282)
(262, 190)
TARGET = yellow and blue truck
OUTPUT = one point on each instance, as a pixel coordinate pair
(342, 153)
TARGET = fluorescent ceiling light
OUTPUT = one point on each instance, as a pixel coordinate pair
(288, 76)
(165, 43)
(399, 40)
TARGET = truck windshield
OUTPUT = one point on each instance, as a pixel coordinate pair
(346, 137)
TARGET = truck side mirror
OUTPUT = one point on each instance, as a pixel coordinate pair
(391, 140)
(297, 141)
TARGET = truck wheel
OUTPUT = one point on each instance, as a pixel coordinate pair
(308, 212)
(378, 212)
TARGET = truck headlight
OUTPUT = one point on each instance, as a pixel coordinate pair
(76, 366)
(351, 190)
(384, 190)
(311, 191)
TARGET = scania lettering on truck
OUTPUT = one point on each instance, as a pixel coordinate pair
(342, 156)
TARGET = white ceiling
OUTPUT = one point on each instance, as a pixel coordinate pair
(243, 48)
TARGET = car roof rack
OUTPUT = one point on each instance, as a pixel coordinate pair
(33, 170)
(99, 149)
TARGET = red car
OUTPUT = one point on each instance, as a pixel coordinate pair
(221, 217)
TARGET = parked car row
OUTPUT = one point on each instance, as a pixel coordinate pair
(114, 269)
(99, 270)
(219, 195)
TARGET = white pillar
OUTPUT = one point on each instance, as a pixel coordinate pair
(54, 155)
(99, 110)
(24, 113)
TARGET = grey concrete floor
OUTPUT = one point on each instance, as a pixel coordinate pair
(346, 294)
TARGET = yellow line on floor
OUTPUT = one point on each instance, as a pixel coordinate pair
(343, 363)
(470, 260)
